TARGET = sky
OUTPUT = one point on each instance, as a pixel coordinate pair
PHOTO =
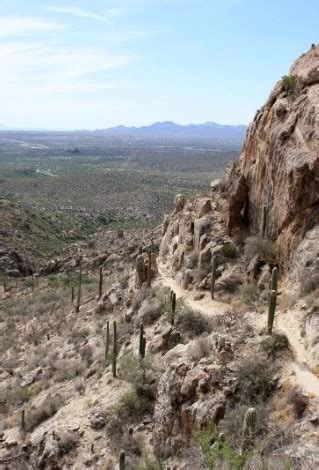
(99, 63)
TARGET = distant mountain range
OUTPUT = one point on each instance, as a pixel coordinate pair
(171, 129)
(208, 130)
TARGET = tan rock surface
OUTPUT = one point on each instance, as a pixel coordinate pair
(276, 187)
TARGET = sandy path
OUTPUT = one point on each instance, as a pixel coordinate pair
(286, 323)
(290, 324)
(205, 305)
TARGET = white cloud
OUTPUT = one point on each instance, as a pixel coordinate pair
(80, 13)
(33, 69)
(17, 25)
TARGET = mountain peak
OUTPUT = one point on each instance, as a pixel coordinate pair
(207, 130)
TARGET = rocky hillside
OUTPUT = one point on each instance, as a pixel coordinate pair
(194, 348)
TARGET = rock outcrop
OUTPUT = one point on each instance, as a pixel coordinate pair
(275, 186)
(271, 193)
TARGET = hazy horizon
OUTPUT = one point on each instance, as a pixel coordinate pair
(4, 127)
(79, 65)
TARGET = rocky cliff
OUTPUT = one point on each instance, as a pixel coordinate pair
(275, 186)
(272, 193)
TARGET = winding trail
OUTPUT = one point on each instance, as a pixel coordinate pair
(285, 323)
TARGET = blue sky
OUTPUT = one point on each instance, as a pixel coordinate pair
(93, 64)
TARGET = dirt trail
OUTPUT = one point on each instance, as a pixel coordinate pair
(288, 324)
(205, 305)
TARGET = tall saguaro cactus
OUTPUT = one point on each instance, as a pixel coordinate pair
(173, 305)
(274, 280)
(149, 268)
(122, 460)
(114, 358)
(23, 419)
(249, 427)
(142, 343)
(214, 275)
(78, 301)
(271, 310)
(100, 282)
(107, 341)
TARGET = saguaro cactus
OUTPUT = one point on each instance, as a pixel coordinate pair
(114, 349)
(219, 442)
(100, 282)
(274, 280)
(214, 275)
(142, 343)
(107, 341)
(23, 419)
(122, 460)
(78, 301)
(249, 427)
(173, 305)
(271, 310)
(149, 268)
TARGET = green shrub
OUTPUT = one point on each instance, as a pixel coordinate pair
(133, 369)
(223, 456)
(255, 382)
(133, 406)
(232, 423)
(150, 464)
(192, 322)
(230, 250)
(265, 249)
(290, 84)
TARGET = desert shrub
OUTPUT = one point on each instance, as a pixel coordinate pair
(80, 386)
(229, 250)
(200, 348)
(265, 249)
(133, 406)
(133, 369)
(13, 395)
(35, 335)
(224, 456)
(229, 283)
(150, 464)
(308, 281)
(67, 369)
(290, 84)
(250, 294)
(141, 295)
(80, 334)
(232, 423)
(86, 353)
(29, 283)
(36, 415)
(48, 297)
(67, 441)
(275, 343)
(298, 401)
(149, 312)
(162, 296)
(192, 322)
(255, 382)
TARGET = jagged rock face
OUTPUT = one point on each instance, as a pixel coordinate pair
(191, 236)
(275, 187)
